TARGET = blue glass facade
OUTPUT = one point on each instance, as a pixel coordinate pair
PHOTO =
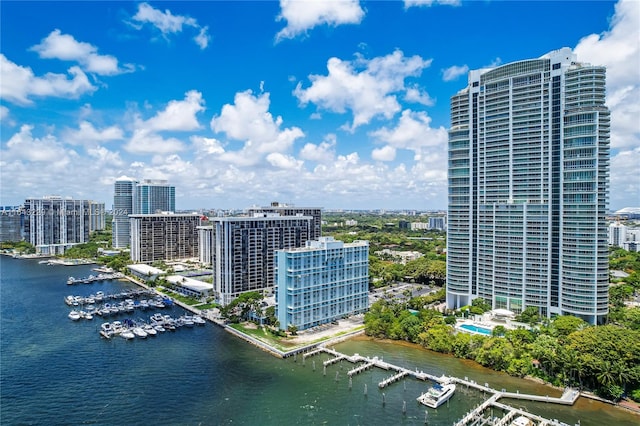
(325, 281)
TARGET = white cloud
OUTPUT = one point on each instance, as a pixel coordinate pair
(203, 38)
(386, 153)
(105, 157)
(167, 23)
(23, 146)
(179, 115)
(453, 72)
(206, 146)
(366, 87)
(4, 112)
(64, 47)
(429, 3)
(145, 141)
(250, 121)
(282, 161)
(18, 84)
(413, 132)
(321, 153)
(618, 49)
(88, 134)
(305, 15)
(416, 95)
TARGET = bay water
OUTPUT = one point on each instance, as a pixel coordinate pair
(54, 371)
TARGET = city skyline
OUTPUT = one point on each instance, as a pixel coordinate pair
(339, 105)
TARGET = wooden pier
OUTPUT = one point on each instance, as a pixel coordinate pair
(475, 417)
(392, 379)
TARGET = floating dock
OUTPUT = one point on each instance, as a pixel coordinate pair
(476, 417)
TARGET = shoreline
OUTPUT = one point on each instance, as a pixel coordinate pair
(627, 405)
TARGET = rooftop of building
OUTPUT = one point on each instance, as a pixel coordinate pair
(190, 283)
(145, 269)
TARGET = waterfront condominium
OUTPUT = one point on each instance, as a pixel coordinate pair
(164, 236)
(53, 224)
(154, 196)
(322, 282)
(241, 250)
(290, 210)
(133, 197)
(123, 202)
(528, 188)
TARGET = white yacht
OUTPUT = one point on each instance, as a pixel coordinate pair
(74, 315)
(437, 395)
(199, 320)
(150, 330)
(127, 334)
(139, 332)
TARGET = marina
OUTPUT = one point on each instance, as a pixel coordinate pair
(445, 386)
(95, 278)
(48, 366)
(141, 329)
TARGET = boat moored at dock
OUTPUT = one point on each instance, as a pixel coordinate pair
(437, 395)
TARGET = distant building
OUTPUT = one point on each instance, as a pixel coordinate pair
(631, 246)
(154, 196)
(123, 202)
(439, 223)
(164, 236)
(350, 222)
(398, 256)
(11, 223)
(133, 197)
(404, 224)
(291, 210)
(241, 250)
(322, 282)
(96, 216)
(617, 234)
(419, 226)
(53, 224)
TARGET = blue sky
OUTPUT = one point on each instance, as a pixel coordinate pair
(337, 104)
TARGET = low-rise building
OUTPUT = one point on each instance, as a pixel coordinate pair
(322, 282)
(190, 287)
(145, 272)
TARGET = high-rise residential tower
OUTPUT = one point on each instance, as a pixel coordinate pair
(123, 205)
(154, 196)
(53, 224)
(528, 188)
(133, 197)
(241, 250)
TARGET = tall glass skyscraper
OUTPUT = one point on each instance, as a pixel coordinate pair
(528, 188)
(154, 196)
(123, 206)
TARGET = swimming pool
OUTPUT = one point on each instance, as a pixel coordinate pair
(475, 329)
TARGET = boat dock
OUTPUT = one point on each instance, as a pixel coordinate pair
(476, 417)
(94, 278)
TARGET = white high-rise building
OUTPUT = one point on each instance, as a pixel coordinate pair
(528, 188)
(53, 223)
(617, 234)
